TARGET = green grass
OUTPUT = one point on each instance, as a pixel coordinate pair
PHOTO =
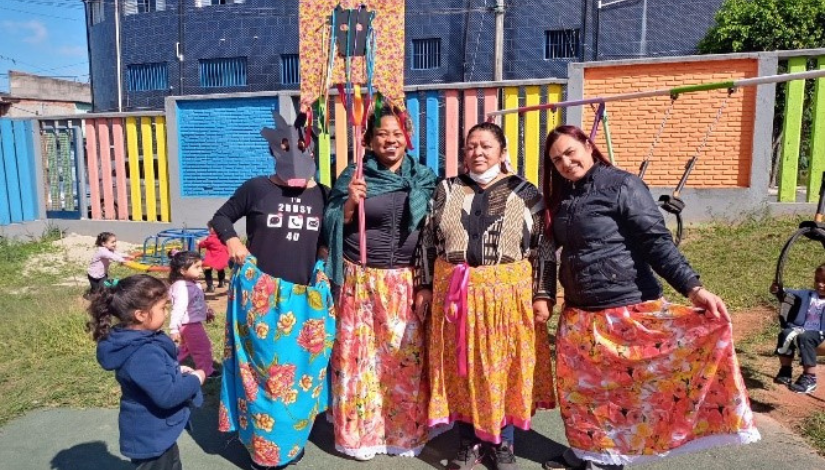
(813, 428)
(48, 359)
(737, 262)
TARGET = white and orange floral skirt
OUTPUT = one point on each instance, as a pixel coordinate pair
(279, 339)
(640, 382)
(489, 362)
(379, 403)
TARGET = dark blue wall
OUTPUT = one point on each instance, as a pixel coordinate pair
(263, 30)
(220, 144)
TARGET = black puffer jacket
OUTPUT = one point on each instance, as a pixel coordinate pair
(611, 234)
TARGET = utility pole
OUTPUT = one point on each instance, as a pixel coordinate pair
(117, 55)
(498, 66)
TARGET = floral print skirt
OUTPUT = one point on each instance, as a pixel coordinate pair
(508, 362)
(379, 403)
(643, 381)
(278, 343)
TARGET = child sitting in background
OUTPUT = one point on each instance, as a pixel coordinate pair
(98, 271)
(189, 311)
(156, 392)
(217, 258)
(807, 330)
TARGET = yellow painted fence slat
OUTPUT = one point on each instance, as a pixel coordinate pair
(148, 169)
(511, 124)
(531, 135)
(163, 168)
(134, 169)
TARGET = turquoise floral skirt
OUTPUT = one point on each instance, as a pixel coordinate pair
(279, 338)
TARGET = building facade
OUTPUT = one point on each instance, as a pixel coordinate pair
(187, 47)
(33, 95)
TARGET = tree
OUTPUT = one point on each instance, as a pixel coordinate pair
(768, 25)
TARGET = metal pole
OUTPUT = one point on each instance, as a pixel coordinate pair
(117, 54)
(786, 77)
(643, 38)
(498, 66)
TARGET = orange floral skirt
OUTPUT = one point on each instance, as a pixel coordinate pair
(508, 363)
(648, 380)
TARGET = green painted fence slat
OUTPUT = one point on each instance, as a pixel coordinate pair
(792, 132)
(817, 165)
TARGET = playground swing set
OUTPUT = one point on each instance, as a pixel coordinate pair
(812, 229)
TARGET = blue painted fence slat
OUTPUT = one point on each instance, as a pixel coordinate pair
(413, 109)
(26, 168)
(12, 174)
(6, 148)
(433, 131)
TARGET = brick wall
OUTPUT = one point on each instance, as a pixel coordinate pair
(220, 144)
(726, 160)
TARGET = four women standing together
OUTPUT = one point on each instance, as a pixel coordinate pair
(446, 321)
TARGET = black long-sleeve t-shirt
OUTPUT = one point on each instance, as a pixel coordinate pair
(283, 226)
(390, 244)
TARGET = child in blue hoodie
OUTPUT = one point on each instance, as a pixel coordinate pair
(157, 392)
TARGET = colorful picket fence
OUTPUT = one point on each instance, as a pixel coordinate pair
(18, 196)
(123, 166)
(792, 132)
(443, 114)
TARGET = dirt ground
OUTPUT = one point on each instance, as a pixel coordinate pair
(759, 366)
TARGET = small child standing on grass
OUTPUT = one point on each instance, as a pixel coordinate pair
(807, 331)
(156, 392)
(98, 271)
(217, 258)
(189, 311)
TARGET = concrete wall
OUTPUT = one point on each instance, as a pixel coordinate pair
(731, 176)
(28, 108)
(35, 87)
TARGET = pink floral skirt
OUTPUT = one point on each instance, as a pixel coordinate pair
(380, 392)
(648, 380)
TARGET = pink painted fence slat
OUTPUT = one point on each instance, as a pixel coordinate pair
(470, 109)
(120, 169)
(451, 130)
(92, 169)
(105, 150)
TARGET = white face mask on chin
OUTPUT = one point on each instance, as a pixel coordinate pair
(487, 176)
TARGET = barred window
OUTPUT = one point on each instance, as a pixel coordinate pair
(426, 54)
(206, 3)
(132, 7)
(96, 11)
(561, 44)
(147, 77)
(228, 72)
(290, 69)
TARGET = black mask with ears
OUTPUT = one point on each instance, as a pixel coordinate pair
(293, 165)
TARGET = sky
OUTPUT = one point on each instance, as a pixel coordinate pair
(44, 37)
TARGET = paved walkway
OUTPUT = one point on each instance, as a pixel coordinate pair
(67, 439)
